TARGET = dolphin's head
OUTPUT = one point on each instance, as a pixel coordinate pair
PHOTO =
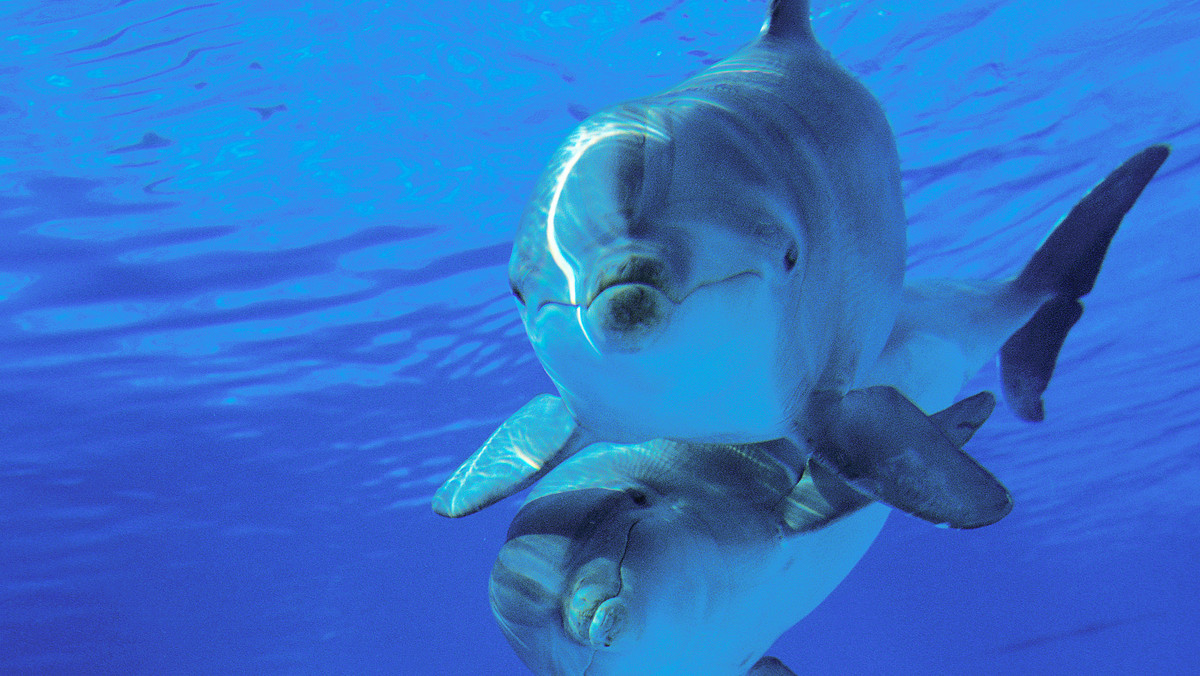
(623, 564)
(556, 586)
(602, 581)
(659, 237)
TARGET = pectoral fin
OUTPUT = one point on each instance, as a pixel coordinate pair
(530, 443)
(961, 420)
(880, 443)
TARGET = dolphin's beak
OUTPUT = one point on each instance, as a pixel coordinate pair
(628, 267)
(593, 615)
(627, 317)
(555, 587)
(627, 300)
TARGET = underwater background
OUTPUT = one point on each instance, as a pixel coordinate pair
(254, 309)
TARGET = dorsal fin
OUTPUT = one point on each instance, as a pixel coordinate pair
(789, 20)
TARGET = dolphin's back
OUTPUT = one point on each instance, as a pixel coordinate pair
(822, 141)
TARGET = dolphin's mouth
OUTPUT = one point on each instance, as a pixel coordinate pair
(633, 270)
(653, 274)
(628, 312)
(608, 617)
(629, 316)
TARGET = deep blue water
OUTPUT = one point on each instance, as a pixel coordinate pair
(254, 309)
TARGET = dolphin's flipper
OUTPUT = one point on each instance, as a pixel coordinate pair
(961, 420)
(819, 499)
(770, 666)
(530, 443)
(1065, 267)
(880, 443)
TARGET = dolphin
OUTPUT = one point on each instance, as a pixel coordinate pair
(681, 557)
(723, 262)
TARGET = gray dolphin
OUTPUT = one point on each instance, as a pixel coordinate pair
(681, 557)
(723, 263)
(671, 557)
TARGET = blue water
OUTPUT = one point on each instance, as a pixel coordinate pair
(254, 309)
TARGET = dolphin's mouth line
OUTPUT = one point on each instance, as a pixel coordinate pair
(620, 586)
(680, 299)
(633, 269)
(677, 301)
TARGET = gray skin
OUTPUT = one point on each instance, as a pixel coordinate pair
(680, 558)
(715, 262)
(723, 263)
(714, 277)
(625, 562)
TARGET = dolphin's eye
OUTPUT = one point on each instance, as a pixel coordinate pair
(789, 258)
(639, 498)
(517, 293)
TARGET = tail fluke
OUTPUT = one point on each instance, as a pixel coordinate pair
(1065, 268)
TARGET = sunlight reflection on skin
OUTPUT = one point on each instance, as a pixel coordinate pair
(586, 139)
